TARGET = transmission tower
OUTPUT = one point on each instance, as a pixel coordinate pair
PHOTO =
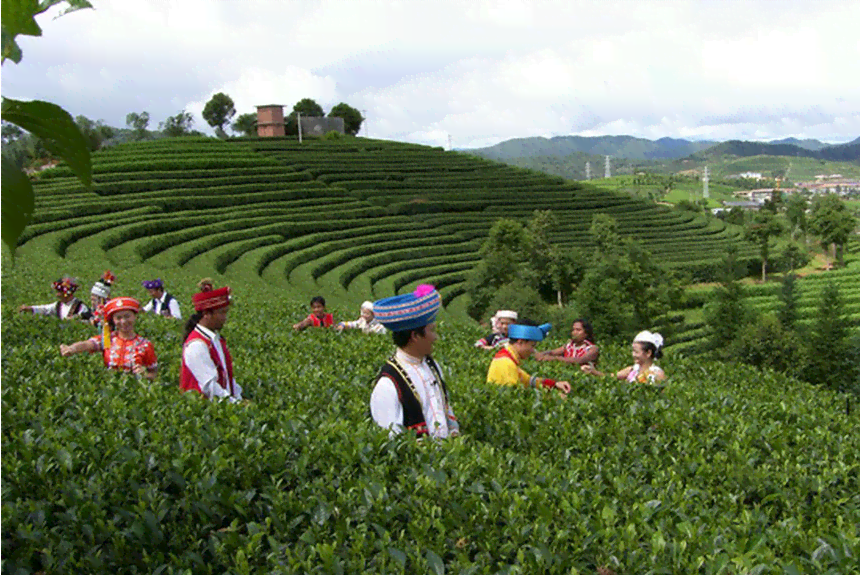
(607, 172)
(450, 145)
(587, 170)
(705, 193)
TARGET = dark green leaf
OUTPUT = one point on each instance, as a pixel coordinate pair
(435, 563)
(17, 204)
(57, 130)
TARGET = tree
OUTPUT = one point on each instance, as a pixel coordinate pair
(831, 221)
(351, 117)
(47, 122)
(308, 107)
(246, 124)
(830, 359)
(178, 125)
(218, 111)
(726, 315)
(138, 123)
(795, 212)
(760, 230)
(787, 314)
(502, 257)
(94, 132)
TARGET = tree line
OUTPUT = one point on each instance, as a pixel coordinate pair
(25, 150)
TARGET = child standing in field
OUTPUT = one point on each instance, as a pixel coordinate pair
(646, 349)
(318, 316)
(505, 368)
(500, 323)
(367, 322)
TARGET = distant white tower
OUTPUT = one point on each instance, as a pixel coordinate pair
(705, 193)
(450, 145)
(587, 170)
(607, 172)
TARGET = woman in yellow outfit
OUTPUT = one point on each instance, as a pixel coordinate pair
(505, 367)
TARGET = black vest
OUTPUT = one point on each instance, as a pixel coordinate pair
(165, 306)
(73, 311)
(413, 415)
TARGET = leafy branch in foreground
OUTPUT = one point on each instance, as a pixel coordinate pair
(47, 121)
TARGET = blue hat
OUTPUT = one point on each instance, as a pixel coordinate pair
(408, 311)
(529, 332)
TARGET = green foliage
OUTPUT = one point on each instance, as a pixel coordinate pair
(218, 111)
(767, 343)
(726, 316)
(178, 125)
(830, 360)
(246, 124)
(19, 18)
(94, 132)
(763, 227)
(308, 107)
(332, 136)
(352, 119)
(788, 298)
(831, 221)
(138, 123)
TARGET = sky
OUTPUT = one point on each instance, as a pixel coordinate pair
(477, 72)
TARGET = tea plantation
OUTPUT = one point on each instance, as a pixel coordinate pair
(728, 470)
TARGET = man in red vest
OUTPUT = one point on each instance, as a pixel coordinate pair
(207, 367)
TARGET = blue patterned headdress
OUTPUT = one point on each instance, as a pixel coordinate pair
(529, 332)
(408, 311)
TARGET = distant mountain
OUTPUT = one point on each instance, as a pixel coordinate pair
(841, 153)
(626, 147)
(807, 144)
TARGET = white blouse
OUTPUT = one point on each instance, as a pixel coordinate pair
(387, 411)
(199, 362)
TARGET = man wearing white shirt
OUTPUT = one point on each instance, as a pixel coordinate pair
(207, 366)
(162, 303)
(410, 392)
(67, 305)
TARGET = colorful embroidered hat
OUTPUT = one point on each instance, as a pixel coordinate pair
(648, 337)
(368, 305)
(102, 287)
(120, 304)
(66, 285)
(209, 298)
(153, 284)
(409, 311)
(506, 314)
(529, 332)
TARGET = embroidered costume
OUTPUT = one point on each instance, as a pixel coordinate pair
(505, 370)
(124, 354)
(73, 308)
(577, 351)
(410, 392)
(326, 321)
(496, 338)
(207, 366)
(650, 376)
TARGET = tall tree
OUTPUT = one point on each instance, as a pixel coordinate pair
(831, 221)
(218, 111)
(351, 117)
(178, 125)
(795, 213)
(308, 107)
(138, 123)
(830, 360)
(760, 230)
(246, 124)
(787, 313)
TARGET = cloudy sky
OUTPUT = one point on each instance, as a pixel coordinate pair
(479, 71)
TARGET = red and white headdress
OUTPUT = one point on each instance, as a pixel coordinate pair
(65, 286)
(209, 298)
(120, 304)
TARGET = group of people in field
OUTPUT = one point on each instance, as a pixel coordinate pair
(409, 391)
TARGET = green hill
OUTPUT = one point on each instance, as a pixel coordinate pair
(627, 147)
(353, 219)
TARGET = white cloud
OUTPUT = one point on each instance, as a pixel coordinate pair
(481, 71)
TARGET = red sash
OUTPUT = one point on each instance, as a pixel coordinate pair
(326, 321)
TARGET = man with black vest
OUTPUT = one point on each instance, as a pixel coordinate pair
(67, 305)
(410, 392)
(162, 303)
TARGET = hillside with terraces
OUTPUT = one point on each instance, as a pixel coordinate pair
(353, 219)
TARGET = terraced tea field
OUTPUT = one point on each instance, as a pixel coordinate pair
(353, 219)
